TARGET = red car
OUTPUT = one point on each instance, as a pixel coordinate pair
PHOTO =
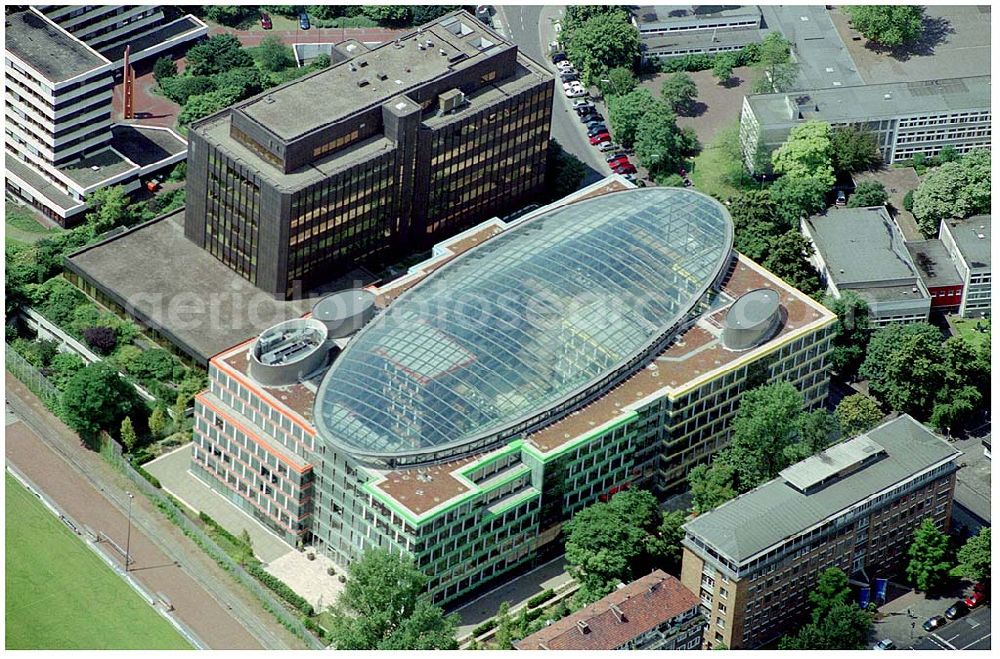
(624, 169)
(620, 160)
(975, 599)
(265, 22)
(604, 136)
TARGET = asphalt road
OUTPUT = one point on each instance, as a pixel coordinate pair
(531, 28)
(972, 632)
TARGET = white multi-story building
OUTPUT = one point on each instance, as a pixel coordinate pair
(60, 138)
(968, 243)
(109, 28)
(907, 117)
(678, 30)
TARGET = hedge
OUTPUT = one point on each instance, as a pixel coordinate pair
(541, 598)
(208, 521)
(145, 474)
(281, 589)
(485, 627)
(745, 56)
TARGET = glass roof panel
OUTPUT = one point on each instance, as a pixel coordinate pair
(510, 328)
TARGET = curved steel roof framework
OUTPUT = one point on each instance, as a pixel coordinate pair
(525, 326)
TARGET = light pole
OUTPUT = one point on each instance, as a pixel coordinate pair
(128, 534)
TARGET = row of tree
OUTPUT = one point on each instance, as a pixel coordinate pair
(393, 16)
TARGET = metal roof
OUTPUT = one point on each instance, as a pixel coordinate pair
(525, 322)
(817, 468)
(777, 511)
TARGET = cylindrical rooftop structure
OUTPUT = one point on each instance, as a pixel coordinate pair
(752, 319)
(285, 353)
(345, 312)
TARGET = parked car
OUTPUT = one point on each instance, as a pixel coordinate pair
(304, 20)
(618, 162)
(558, 57)
(975, 599)
(597, 130)
(631, 178)
(564, 64)
(624, 169)
(590, 115)
(579, 103)
(841, 198)
(586, 111)
(600, 137)
(265, 22)
(884, 644)
(935, 622)
(956, 610)
(595, 122)
(616, 155)
(607, 146)
(569, 77)
(575, 92)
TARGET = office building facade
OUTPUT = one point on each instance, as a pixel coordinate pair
(60, 138)
(908, 118)
(654, 612)
(416, 140)
(754, 560)
(466, 437)
(678, 30)
(968, 243)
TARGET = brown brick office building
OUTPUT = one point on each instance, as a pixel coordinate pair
(387, 151)
(855, 506)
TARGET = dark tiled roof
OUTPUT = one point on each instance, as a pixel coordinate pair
(643, 605)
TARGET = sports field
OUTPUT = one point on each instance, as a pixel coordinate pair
(61, 596)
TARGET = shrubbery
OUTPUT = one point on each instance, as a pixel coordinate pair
(541, 598)
(281, 589)
(101, 339)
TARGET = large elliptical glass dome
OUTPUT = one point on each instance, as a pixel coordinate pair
(525, 328)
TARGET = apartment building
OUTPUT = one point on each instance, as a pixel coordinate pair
(907, 117)
(968, 243)
(523, 372)
(108, 29)
(654, 612)
(862, 250)
(678, 30)
(415, 140)
(61, 142)
(855, 506)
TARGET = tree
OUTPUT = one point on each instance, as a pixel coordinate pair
(930, 563)
(619, 81)
(274, 55)
(602, 42)
(712, 486)
(832, 588)
(763, 426)
(904, 366)
(775, 66)
(504, 637)
(181, 88)
(242, 83)
(854, 149)
(679, 92)
(246, 547)
(723, 66)
(63, 366)
(612, 542)
(219, 53)
(164, 68)
(383, 607)
(754, 214)
(156, 364)
(868, 193)
(851, 332)
(954, 190)
(966, 384)
(199, 107)
(659, 144)
(97, 398)
(888, 25)
(111, 207)
(845, 627)
(858, 414)
(563, 172)
(796, 198)
(421, 14)
(388, 15)
(808, 152)
(789, 259)
(158, 421)
(671, 534)
(974, 560)
(101, 339)
(230, 15)
(624, 112)
(127, 434)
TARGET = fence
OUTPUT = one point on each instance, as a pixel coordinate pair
(32, 378)
(112, 452)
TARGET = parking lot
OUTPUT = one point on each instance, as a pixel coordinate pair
(969, 633)
(901, 620)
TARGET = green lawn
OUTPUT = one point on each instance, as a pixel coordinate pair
(713, 172)
(966, 327)
(20, 225)
(61, 596)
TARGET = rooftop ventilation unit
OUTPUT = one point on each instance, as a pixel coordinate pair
(887, 96)
(381, 76)
(619, 615)
(363, 82)
(451, 99)
(441, 51)
(397, 44)
(352, 66)
(288, 351)
(363, 62)
(429, 43)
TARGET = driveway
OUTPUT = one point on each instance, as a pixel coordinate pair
(531, 28)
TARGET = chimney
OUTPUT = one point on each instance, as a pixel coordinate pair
(619, 615)
(583, 626)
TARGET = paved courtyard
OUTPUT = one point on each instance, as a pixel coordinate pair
(897, 182)
(902, 616)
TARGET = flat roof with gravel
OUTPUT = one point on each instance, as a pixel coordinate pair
(934, 263)
(972, 237)
(49, 49)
